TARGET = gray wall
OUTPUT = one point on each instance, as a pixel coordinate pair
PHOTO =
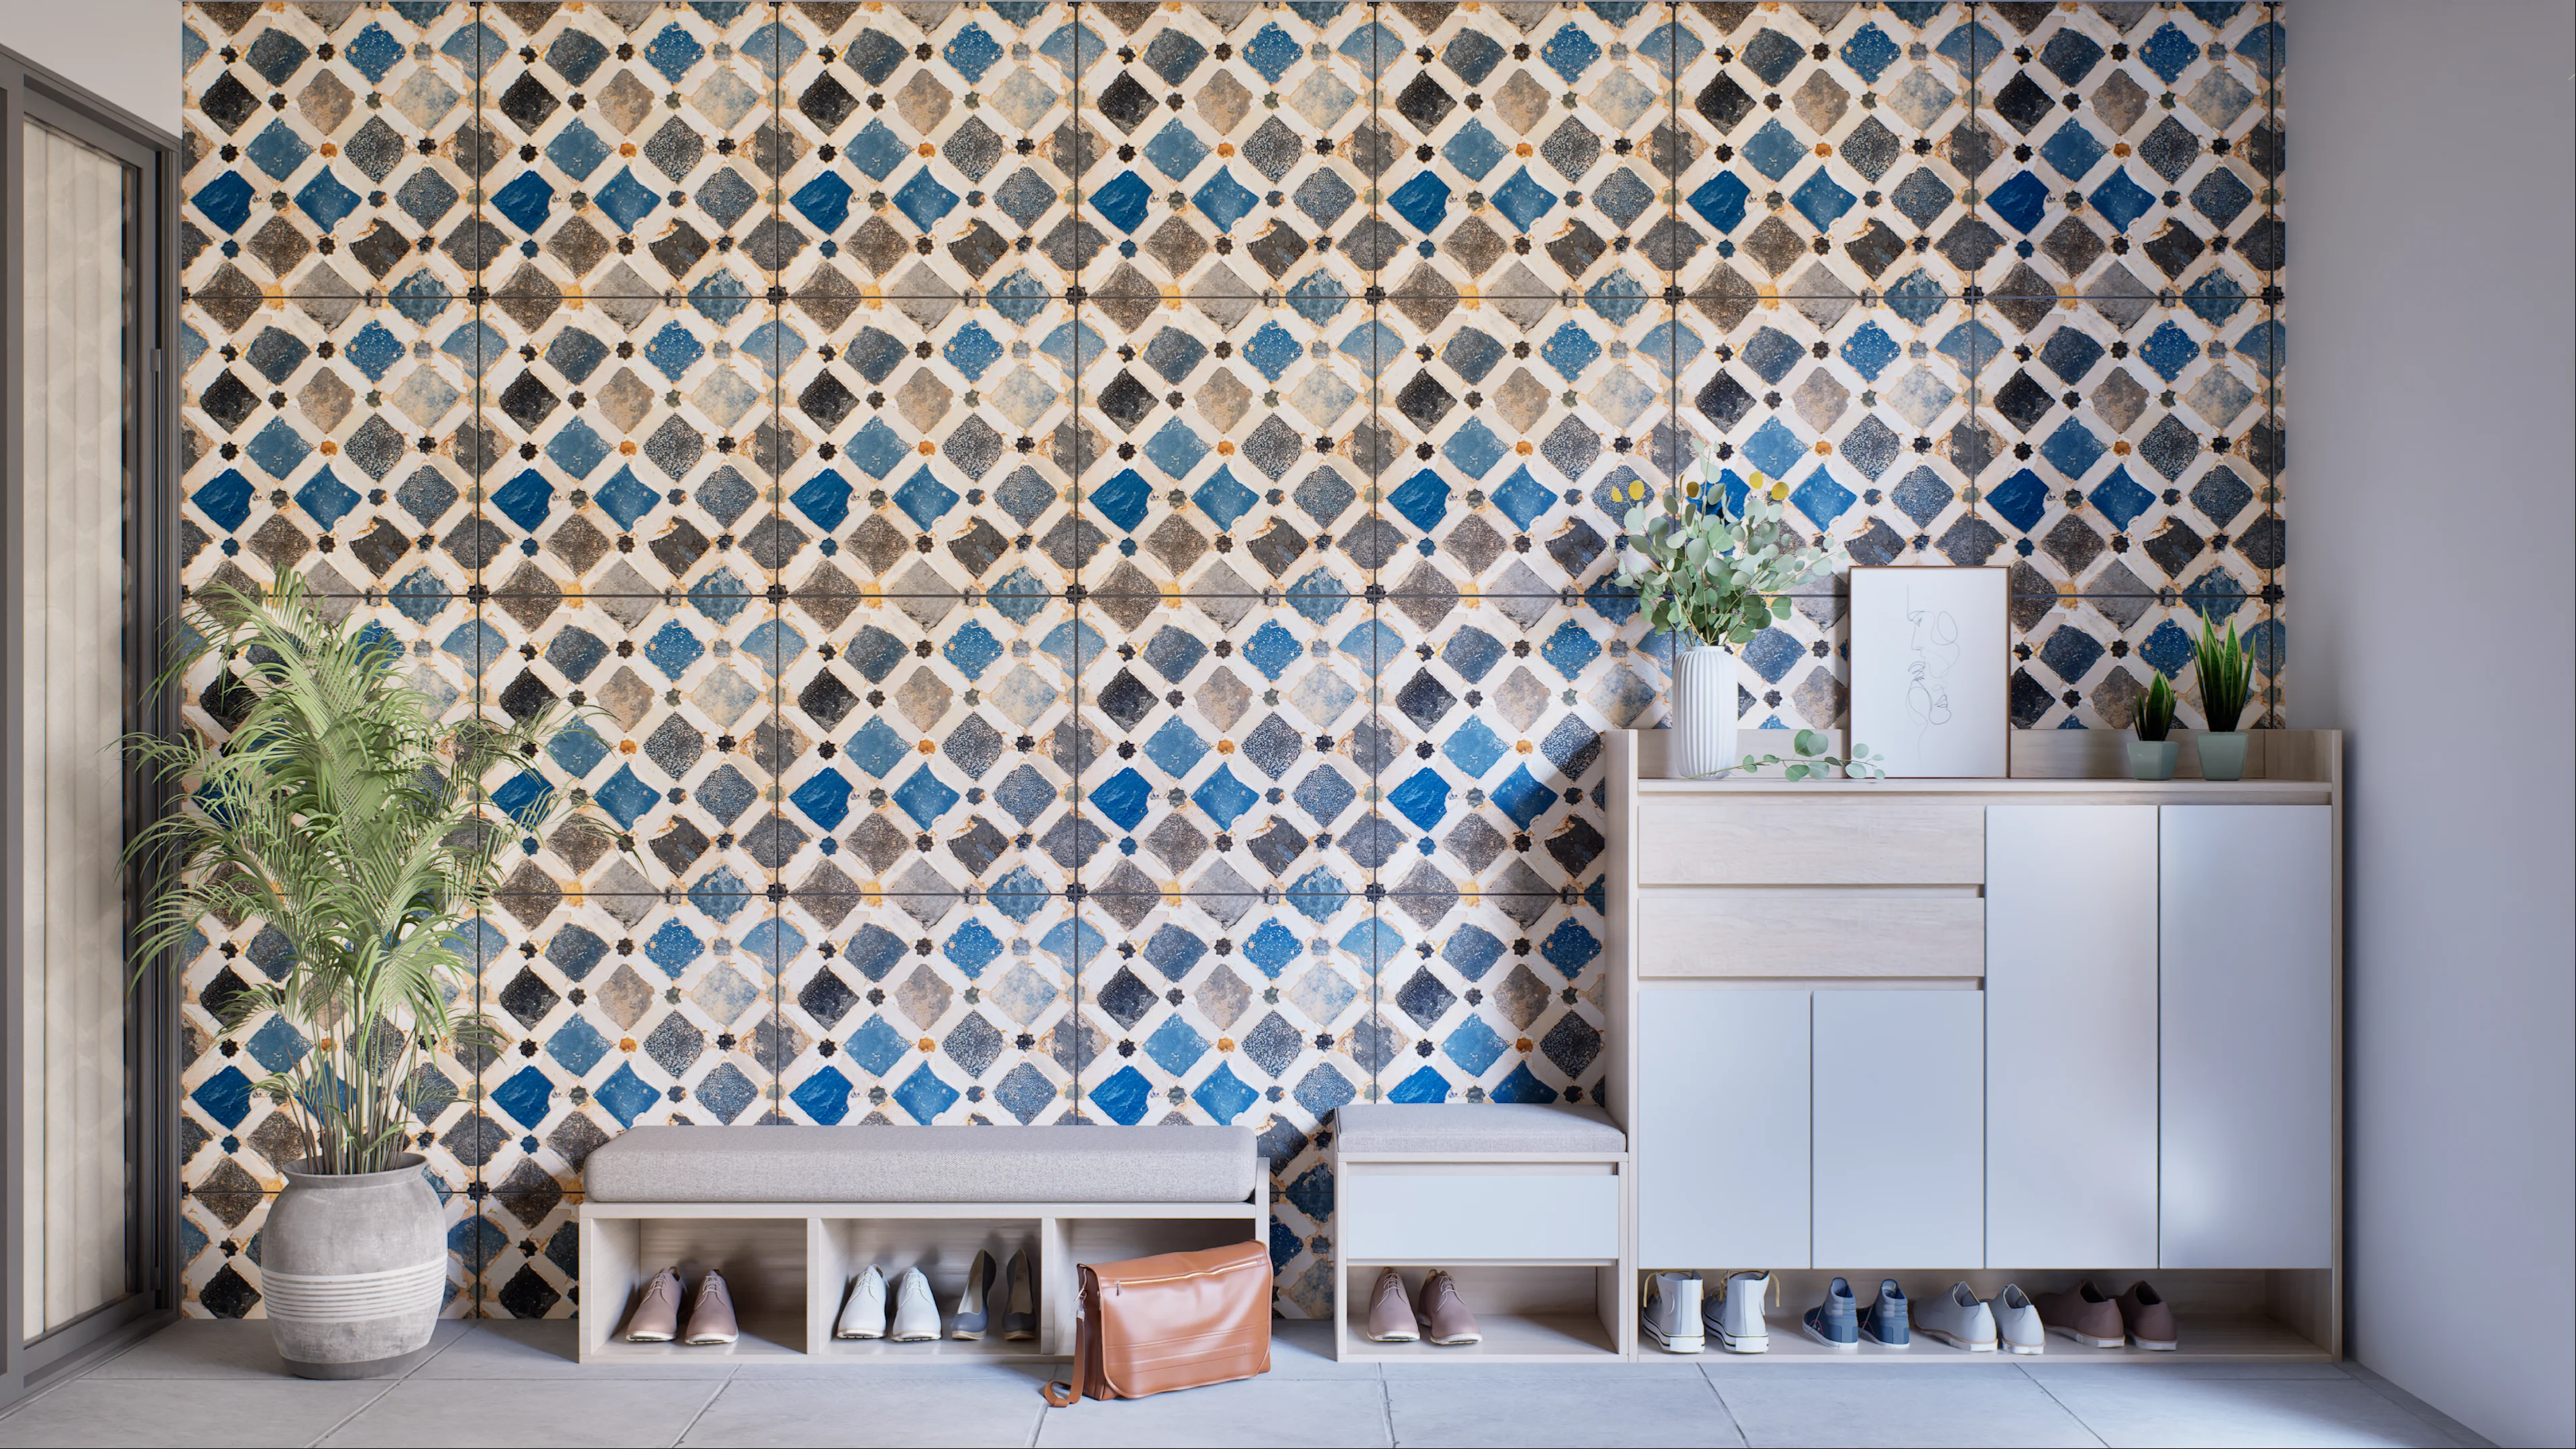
(125, 50)
(2429, 298)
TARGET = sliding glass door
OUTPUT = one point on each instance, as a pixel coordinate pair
(75, 338)
(85, 576)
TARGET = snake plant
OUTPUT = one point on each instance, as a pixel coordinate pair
(2226, 674)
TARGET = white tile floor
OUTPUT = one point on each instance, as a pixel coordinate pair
(516, 1384)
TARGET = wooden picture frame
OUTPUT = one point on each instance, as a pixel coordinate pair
(1931, 669)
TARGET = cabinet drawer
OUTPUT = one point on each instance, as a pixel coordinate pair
(1710, 840)
(1426, 1217)
(1775, 934)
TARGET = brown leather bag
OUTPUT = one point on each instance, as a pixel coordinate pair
(1173, 1321)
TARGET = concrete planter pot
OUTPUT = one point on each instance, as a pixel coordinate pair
(2222, 755)
(1703, 710)
(353, 1270)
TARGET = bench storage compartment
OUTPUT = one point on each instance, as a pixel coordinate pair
(791, 1216)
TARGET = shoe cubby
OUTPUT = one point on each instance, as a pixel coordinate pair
(763, 1260)
(1529, 1313)
(842, 1249)
(791, 1268)
(2223, 1316)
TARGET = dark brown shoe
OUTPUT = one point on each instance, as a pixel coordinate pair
(2083, 1315)
(2148, 1317)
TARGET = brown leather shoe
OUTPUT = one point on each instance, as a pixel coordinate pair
(1390, 1318)
(2083, 1315)
(2148, 1317)
(1444, 1313)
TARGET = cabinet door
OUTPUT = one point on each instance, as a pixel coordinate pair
(2071, 1036)
(1900, 1129)
(1722, 1128)
(2248, 1170)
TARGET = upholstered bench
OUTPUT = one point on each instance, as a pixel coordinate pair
(792, 1215)
(1527, 1206)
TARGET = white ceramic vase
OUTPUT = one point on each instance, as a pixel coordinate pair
(1703, 710)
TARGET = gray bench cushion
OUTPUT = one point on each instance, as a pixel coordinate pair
(923, 1164)
(1486, 1127)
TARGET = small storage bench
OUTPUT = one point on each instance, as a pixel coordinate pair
(1526, 1206)
(791, 1216)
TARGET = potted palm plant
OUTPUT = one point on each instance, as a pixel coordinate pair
(2226, 675)
(2152, 755)
(1713, 577)
(343, 815)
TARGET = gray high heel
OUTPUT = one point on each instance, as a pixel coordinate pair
(975, 1305)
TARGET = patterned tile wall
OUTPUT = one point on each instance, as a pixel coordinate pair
(1086, 529)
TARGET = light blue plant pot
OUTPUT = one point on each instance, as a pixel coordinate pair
(2153, 759)
(2222, 755)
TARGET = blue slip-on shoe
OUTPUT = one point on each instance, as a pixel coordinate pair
(1835, 1323)
(1885, 1322)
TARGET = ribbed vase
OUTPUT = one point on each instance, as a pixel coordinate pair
(353, 1270)
(1703, 710)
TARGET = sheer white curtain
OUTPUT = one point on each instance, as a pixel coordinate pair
(74, 335)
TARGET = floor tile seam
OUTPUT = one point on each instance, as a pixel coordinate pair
(346, 1419)
(717, 1392)
(2042, 1385)
(1709, 1372)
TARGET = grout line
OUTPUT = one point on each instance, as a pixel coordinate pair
(2081, 1422)
(353, 1414)
(721, 1384)
(481, 177)
(1731, 1421)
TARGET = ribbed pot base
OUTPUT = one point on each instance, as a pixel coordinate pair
(373, 1368)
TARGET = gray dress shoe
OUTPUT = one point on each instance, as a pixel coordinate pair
(1019, 1300)
(711, 1319)
(656, 1318)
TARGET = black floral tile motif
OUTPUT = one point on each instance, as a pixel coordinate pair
(1083, 534)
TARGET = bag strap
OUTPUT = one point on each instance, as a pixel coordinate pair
(1085, 1373)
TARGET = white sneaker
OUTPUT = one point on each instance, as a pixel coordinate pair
(1736, 1316)
(916, 1313)
(2017, 1322)
(865, 1316)
(1958, 1318)
(1671, 1314)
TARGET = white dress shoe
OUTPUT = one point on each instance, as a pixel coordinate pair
(2017, 1324)
(916, 1313)
(865, 1317)
(1958, 1318)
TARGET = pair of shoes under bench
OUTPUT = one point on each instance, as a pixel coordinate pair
(656, 1318)
(1440, 1313)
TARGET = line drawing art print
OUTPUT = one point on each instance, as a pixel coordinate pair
(1928, 661)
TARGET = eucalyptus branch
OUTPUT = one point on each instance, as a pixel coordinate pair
(1712, 571)
(1808, 761)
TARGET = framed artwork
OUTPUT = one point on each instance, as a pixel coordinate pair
(1929, 670)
